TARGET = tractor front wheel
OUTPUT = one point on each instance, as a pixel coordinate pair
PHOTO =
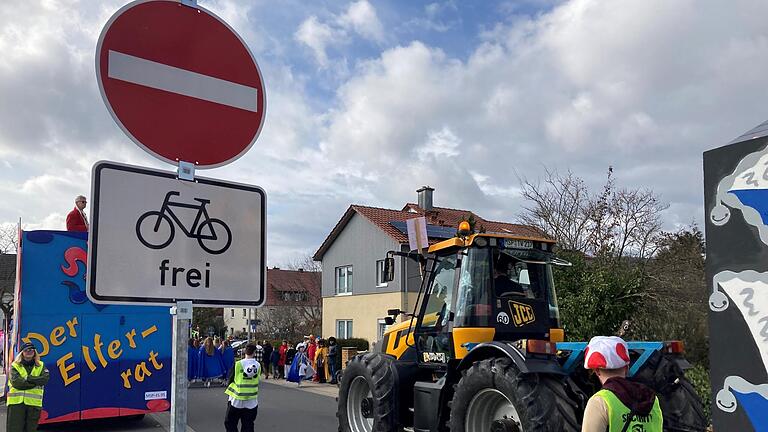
(367, 395)
(493, 395)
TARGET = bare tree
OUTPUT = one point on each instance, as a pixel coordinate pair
(9, 238)
(618, 223)
(311, 311)
(560, 207)
(9, 245)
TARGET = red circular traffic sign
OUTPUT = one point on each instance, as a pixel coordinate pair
(180, 82)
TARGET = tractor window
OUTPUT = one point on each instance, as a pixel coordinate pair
(438, 305)
(516, 277)
(474, 306)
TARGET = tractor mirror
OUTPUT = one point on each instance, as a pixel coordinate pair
(389, 269)
(389, 320)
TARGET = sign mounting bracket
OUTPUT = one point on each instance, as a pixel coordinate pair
(186, 171)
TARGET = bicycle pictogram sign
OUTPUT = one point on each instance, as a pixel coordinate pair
(157, 229)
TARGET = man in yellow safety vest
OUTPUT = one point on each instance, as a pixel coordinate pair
(622, 405)
(25, 390)
(243, 392)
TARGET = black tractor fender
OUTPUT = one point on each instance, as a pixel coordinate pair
(525, 365)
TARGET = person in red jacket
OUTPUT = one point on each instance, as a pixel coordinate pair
(76, 219)
(282, 363)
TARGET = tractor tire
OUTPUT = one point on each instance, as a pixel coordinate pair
(680, 405)
(367, 395)
(492, 393)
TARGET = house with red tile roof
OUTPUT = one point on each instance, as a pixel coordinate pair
(292, 307)
(355, 297)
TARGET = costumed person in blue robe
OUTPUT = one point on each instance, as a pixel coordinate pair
(227, 356)
(192, 354)
(300, 366)
(210, 364)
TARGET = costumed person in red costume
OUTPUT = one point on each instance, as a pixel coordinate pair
(76, 219)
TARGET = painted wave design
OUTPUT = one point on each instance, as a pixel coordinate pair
(748, 292)
(757, 199)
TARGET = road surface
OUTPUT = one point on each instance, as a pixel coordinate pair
(281, 407)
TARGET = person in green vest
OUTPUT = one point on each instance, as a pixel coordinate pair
(243, 392)
(25, 390)
(621, 405)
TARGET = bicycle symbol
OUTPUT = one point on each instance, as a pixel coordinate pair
(156, 230)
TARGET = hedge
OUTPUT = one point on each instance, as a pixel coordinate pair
(698, 375)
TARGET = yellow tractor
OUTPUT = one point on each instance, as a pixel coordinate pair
(483, 350)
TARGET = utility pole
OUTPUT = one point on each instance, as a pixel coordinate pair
(248, 325)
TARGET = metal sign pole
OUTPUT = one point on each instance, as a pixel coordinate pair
(182, 317)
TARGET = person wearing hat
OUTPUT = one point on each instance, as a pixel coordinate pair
(621, 405)
(243, 392)
(25, 390)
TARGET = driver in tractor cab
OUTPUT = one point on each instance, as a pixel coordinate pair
(622, 405)
(503, 285)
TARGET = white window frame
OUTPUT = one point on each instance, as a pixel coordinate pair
(348, 273)
(380, 274)
(348, 328)
(381, 328)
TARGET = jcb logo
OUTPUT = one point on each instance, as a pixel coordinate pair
(522, 314)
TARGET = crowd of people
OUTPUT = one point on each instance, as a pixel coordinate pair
(211, 359)
(312, 358)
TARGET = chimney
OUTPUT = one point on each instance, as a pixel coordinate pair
(425, 197)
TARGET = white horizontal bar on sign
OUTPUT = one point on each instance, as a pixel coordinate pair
(159, 76)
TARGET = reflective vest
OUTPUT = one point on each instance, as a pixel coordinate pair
(242, 387)
(32, 397)
(618, 413)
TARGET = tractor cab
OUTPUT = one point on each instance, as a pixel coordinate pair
(481, 288)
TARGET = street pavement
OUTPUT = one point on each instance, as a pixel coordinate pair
(282, 406)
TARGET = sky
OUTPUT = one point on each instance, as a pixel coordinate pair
(369, 100)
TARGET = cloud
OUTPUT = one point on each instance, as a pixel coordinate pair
(317, 36)
(442, 143)
(361, 17)
(586, 85)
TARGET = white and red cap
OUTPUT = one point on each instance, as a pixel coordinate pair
(606, 352)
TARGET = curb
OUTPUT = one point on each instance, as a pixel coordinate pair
(164, 420)
(326, 390)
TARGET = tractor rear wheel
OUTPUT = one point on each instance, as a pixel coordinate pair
(680, 405)
(367, 400)
(494, 395)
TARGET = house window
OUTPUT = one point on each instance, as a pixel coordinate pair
(344, 280)
(380, 282)
(381, 327)
(233, 315)
(245, 313)
(343, 329)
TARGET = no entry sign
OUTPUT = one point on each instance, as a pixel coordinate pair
(180, 82)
